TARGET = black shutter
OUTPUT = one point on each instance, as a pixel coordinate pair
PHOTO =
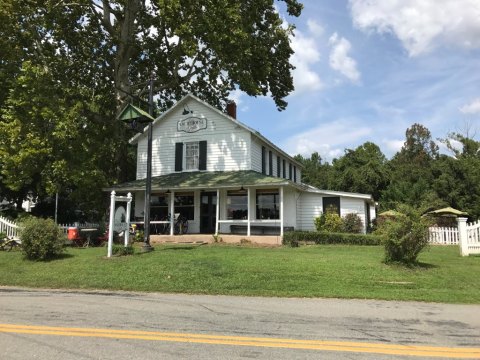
(284, 169)
(270, 163)
(178, 156)
(294, 174)
(263, 160)
(289, 171)
(278, 166)
(202, 161)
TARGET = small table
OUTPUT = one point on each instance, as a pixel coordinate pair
(88, 233)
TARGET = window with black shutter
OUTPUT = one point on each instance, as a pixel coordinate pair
(294, 174)
(178, 156)
(284, 169)
(289, 171)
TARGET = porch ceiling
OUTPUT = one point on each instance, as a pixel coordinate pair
(204, 180)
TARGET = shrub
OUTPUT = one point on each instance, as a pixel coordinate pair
(352, 224)
(329, 221)
(41, 239)
(292, 238)
(405, 236)
(120, 250)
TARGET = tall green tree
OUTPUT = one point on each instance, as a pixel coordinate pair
(411, 171)
(69, 67)
(315, 172)
(362, 170)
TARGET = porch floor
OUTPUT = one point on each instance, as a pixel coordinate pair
(208, 239)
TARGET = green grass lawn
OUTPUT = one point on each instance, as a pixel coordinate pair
(308, 271)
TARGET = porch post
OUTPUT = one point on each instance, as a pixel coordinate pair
(281, 211)
(172, 212)
(462, 235)
(111, 223)
(249, 216)
(217, 213)
(127, 216)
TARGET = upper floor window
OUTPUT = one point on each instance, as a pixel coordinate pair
(192, 154)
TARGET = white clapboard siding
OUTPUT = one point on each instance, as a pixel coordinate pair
(228, 145)
(350, 205)
(309, 206)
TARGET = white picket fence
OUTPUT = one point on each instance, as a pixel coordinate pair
(473, 237)
(8, 227)
(467, 236)
(443, 235)
(65, 227)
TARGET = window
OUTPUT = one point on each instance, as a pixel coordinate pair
(331, 204)
(158, 206)
(284, 169)
(289, 171)
(237, 205)
(294, 174)
(192, 155)
(184, 204)
(278, 166)
(268, 204)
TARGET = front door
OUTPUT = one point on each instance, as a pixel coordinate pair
(208, 211)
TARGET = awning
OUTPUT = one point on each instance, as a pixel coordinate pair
(200, 180)
(448, 211)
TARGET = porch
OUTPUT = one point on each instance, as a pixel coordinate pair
(209, 239)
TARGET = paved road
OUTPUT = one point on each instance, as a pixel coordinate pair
(41, 324)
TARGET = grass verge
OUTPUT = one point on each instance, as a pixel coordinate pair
(311, 271)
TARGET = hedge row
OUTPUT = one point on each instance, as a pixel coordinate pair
(292, 238)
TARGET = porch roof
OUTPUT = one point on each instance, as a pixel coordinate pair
(205, 180)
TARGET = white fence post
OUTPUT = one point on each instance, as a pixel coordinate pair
(110, 227)
(127, 216)
(462, 235)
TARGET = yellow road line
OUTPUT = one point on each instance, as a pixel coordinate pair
(389, 349)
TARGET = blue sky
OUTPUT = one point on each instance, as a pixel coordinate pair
(369, 69)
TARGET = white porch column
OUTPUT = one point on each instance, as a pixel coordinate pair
(111, 223)
(249, 212)
(281, 211)
(462, 235)
(217, 214)
(172, 212)
(129, 209)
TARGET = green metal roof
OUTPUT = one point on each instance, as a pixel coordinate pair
(204, 180)
(131, 112)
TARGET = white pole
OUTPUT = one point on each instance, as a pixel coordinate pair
(110, 227)
(462, 235)
(249, 216)
(127, 215)
(172, 212)
(217, 212)
(281, 211)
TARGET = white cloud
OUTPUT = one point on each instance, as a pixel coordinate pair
(305, 79)
(471, 108)
(340, 59)
(329, 139)
(315, 28)
(393, 145)
(421, 25)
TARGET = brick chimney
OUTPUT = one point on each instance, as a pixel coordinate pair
(232, 109)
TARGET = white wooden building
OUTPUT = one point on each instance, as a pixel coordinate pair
(227, 178)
